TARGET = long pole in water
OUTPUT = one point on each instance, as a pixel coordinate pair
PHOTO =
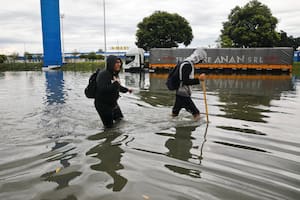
(204, 95)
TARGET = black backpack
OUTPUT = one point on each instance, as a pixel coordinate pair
(173, 81)
(90, 90)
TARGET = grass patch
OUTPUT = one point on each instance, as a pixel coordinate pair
(296, 69)
(20, 66)
(84, 66)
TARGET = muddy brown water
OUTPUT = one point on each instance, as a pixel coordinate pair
(53, 146)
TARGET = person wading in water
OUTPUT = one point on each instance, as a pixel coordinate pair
(186, 76)
(107, 93)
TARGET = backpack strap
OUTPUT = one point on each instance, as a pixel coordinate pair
(180, 69)
(193, 70)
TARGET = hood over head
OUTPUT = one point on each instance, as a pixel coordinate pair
(110, 63)
(199, 55)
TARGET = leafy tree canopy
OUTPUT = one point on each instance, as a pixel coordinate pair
(250, 26)
(163, 29)
(288, 41)
(3, 58)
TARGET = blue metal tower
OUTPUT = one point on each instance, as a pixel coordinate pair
(51, 33)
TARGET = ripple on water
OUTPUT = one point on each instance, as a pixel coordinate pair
(53, 145)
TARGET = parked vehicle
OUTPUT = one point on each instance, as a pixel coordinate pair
(134, 59)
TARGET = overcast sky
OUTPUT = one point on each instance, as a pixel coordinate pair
(20, 21)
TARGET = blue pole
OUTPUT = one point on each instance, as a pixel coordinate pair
(51, 33)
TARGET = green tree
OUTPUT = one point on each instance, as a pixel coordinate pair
(92, 56)
(100, 57)
(250, 26)
(3, 58)
(14, 56)
(83, 56)
(163, 29)
(288, 41)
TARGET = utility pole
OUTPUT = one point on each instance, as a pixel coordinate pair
(62, 16)
(104, 28)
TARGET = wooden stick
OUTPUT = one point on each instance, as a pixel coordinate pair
(204, 94)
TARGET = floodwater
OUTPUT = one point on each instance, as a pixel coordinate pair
(53, 146)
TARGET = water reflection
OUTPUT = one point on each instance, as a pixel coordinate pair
(54, 126)
(137, 80)
(55, 87)
(258, 85)
(240, 107)
(180, 146)
(240, 94)
(152, 91)
(63, 175)
(260, 161)
(55, 109)
(240, 146)
(180, 143)
(65, 156)
(242, 130)
(62, 178)
(109, 152)
(244, 96)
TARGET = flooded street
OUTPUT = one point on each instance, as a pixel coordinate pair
(53, 146)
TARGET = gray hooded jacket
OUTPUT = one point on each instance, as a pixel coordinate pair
(186, 72)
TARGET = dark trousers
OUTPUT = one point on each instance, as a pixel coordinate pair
(108, 114)
(184, 102)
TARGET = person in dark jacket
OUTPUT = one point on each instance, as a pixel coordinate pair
(186, 75)
(108, 88)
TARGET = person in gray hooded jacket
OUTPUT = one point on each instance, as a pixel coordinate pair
(186, 76)
(107, 94)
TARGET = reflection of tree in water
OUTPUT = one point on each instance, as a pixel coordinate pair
(110, 154)
(180, 145)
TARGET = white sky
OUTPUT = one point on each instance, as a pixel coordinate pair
(20, 21)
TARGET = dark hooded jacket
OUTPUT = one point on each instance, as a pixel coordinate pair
(107, 89)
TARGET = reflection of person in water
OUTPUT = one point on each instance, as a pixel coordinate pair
(110, 155)
(181, 144)
(179, 148)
